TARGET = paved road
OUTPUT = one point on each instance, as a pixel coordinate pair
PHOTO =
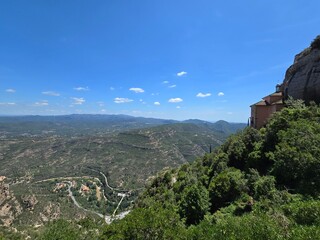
(77, 204)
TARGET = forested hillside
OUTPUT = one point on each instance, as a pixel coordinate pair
(258, 185)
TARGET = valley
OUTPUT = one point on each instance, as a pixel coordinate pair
(57, 169)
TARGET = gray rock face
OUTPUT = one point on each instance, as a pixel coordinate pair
(302, 80)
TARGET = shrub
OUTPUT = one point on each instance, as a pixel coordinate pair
(226, 187)
(304, 213)
(194, 204)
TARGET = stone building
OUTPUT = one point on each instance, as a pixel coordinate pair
(261, 111)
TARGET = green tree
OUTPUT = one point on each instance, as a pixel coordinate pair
(194, 204)
(297, 157)
(60, 230)
(226, 187)
(149, 223)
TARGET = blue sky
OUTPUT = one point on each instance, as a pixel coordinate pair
(175, 59)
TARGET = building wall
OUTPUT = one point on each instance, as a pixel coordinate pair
(261, 114)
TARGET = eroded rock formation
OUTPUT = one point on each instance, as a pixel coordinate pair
(302, 80)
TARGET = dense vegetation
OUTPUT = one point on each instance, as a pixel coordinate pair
(260, 184)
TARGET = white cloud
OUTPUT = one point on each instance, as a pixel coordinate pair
(78, 101)
(41, 103)
(112, 88)
(175, 100)
(81, 88)
(165, 82)
(122, 100)
(51, 93)
(10, 90)
(7, 103)
(137, 90)
(178, 107)
(203, 95)
(154, 94)
(180, 74)
(103, 110)
(220, 94)
(172, 86)
(157, 103)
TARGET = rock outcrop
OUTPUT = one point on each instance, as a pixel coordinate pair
(302, 80)
(10, 208)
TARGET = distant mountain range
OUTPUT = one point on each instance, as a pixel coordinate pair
(77, 124)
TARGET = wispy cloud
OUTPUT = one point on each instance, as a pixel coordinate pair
(180, 74)
(165, 82)
(220, 94)
(203, 95)
(178, 107)
(78, 101)
(7, 103)
(41, 103)
(136, 90)
(157, 103)
(101, 104)
(142, 101)
(175, 100)
(81, 89)
(10, 90)
(122, 100)
(112, 88)
(51, 93)
(172, 86)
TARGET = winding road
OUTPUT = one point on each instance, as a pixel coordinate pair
(108, 219)
(76, 203)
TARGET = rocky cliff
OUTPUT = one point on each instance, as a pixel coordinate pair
(302, 80)
(10, 208)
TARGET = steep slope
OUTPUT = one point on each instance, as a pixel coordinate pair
(302, 80)
(258, 185)
(221, 126)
